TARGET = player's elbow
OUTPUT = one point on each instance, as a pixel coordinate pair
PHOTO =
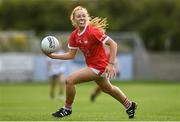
(72, 57)
(72, 54)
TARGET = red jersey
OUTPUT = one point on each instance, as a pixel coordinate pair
(90, 41)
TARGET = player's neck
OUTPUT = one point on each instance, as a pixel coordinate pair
(81, 29)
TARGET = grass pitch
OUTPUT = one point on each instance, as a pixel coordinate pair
(157, 101)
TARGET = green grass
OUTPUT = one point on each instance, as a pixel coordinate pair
(30, 102)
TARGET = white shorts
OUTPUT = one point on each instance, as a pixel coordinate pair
(98, 71)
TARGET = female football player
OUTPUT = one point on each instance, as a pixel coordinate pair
(89, 36)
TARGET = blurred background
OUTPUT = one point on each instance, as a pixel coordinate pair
(147, 32)
(148, 37)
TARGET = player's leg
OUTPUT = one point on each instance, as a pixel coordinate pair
(83, 75)
(108, 88)
(95, 93)
(115, 92)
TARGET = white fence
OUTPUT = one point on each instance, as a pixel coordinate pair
(20, 67)
(16, 67)
(165, 66)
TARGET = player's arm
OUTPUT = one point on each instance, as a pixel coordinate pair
(113, 50)
(110, 69)
(65, 56)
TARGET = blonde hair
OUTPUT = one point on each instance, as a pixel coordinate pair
(97, 22)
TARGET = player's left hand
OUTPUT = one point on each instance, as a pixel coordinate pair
(111, 71)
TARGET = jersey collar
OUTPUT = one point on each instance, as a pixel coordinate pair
(79, 34)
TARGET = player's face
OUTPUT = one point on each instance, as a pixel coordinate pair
(80, 18)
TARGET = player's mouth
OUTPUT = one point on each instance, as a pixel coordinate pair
(82, 22)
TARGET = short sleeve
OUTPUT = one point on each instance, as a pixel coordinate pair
(72, 42)
(100, 36)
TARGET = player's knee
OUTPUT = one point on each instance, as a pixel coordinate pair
(69, 81)
(107, 90)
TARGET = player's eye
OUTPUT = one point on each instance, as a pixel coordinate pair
(78, 16)
(84, 16)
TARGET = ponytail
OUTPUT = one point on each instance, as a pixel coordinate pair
(99, 23)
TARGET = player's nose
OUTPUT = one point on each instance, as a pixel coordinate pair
(82, 18)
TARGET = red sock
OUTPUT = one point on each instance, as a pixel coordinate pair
(127, 103)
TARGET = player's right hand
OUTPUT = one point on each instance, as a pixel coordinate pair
(110, 70)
